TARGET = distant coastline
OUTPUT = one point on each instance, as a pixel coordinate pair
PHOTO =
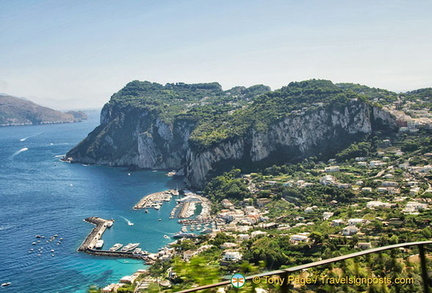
(21, 112)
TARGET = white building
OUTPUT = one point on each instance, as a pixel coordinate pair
(327, 180)
(337, 222)
(355, 221)
(350, 230)
(299, 238)
(231, 255)
(366, 189)
(327, 215)
(332, 169)
(378, 204)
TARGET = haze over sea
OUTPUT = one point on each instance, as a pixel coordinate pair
(40, 195)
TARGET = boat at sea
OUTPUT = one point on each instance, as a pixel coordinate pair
(166, 236)
(99, 244)
(116, 247)
(129, 247)
(6, 284)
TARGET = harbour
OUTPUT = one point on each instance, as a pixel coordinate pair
(90, 246)
(67, 192)
(155, 200)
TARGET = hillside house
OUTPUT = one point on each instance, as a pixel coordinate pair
(232, 255)
(350, 230)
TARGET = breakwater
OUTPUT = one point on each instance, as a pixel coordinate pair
(108, 253)
(89, 243)
(97, 232)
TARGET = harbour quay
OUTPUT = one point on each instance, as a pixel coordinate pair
(96, 234)
(155, 200)
(90, 244)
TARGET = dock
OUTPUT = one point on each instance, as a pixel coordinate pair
(96, 234)
(155, 200)
(89, 243)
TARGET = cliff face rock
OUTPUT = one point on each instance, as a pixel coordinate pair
(132, 133)
(134, 138)
(324, 131)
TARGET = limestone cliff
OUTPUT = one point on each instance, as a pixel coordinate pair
(202, 130)
(324, 131)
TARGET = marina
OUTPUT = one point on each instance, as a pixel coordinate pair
(93, 243)
(155, 200)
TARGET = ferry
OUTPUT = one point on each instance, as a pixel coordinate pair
(99, 244)
(130, 247)
(116, 247)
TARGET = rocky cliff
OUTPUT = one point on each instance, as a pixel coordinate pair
(204, 130)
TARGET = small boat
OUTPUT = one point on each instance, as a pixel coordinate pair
(34, 243)
(6, 284)
(130, 247)
(130, 224)
(160, 220)
(166, 236)
(116, 247)
(99, 244)
(146, 211)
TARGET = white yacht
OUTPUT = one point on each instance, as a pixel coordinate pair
(116, 247)
(130, 247)
(99, 244)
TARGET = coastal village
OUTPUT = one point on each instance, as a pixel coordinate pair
(362, 202)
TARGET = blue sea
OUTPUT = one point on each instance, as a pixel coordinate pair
(39, 195)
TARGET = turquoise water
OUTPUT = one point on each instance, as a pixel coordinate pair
(41, 196)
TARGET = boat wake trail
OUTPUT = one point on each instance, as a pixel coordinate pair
(18, 152)
(129, 222)
(25, 138)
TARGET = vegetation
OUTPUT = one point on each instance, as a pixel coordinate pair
(315, 199)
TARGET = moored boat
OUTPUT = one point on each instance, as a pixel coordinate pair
(116, 247)
(99, 244)
(129, 247)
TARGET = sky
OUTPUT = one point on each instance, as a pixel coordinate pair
(76, 54)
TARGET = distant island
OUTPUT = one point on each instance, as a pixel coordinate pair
(16, 111)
